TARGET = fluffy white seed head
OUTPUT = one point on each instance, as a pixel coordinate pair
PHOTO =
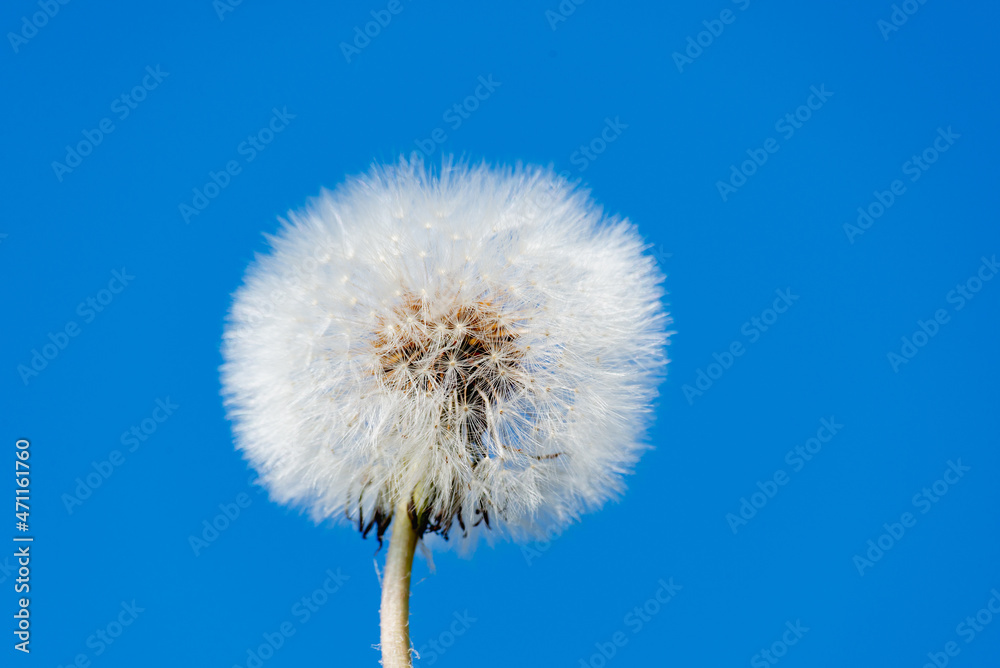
(482, 344)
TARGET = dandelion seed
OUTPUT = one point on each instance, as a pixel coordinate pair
(441, 395)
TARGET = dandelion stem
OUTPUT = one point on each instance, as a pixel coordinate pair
(395, 612)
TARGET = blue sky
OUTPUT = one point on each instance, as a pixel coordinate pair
(818, 182)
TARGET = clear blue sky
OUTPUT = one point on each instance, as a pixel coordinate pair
(147, 148)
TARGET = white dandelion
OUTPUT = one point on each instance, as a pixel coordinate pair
(473, 352)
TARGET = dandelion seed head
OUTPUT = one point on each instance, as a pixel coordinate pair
(494, 369)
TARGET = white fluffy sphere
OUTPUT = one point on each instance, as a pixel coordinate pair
(483, 344)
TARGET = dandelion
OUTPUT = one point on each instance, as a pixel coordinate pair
(462, 354)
